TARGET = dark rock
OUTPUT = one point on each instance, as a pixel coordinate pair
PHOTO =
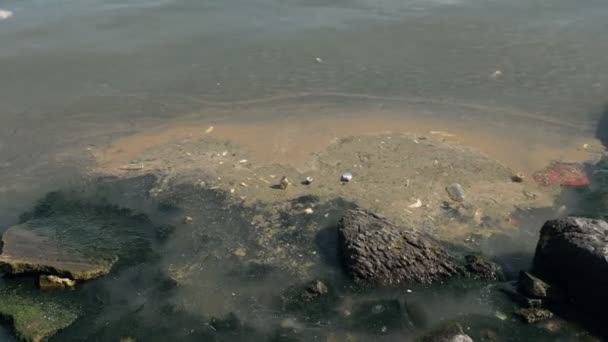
(533, 315)
(377, 252)
(480, 267)
(537, 290)
(447, 332)
(572, 254)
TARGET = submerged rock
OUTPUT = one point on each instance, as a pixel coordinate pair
(28, 251)
(377, 252)
(447, 332)
(572, 254)
(534, 315)
(480, 267)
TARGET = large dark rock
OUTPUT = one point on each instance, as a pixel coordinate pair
(377, 252)
(572, 253)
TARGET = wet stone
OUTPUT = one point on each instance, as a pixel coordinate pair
(534, 315)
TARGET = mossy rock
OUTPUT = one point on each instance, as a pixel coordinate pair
(35, 316)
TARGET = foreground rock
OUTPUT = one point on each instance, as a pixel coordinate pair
(377, 252)
(572, 254)
(35, 317)
(28, 251)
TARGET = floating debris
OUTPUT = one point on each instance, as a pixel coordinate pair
(308, 211)
(442, 133)
(417, 204)
(284, 183)
(132, 167)
(346, 177)
(308, 180)
(209, 130)
(188, 220)
(4, 14)
(319, 60)
(408, 291)
(456, 192)
(518, 178)
(496, 74)
(560, 173)
(530, 195)
(500, 315)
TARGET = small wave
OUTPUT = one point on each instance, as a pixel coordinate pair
(4, 14)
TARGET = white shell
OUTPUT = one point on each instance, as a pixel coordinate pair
(418, 204)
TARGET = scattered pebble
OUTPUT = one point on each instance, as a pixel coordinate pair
(456, 192)
(4, 14)
(284, 183)
(188, 219)
(518, 178)
(417, 204)
(209, 130)
(346, 177)
(308, 211)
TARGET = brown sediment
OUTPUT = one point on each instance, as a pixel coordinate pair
(295, 139)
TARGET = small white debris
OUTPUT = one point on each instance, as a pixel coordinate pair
(225, 153)
(243, 161)
(284, 183)
(4, 14)
(243, 184)
(500, 315)
(326, 215)
(209, 130)
(308, 180)
(496, 74)
(188, 219)
(132, 167)
(585, 146)
(442, 133)
(417, 204)
(408, 291)
(308, 211)
(319, 60)
(232, 191)
(346, 177)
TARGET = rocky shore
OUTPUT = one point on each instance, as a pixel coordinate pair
(201, 225)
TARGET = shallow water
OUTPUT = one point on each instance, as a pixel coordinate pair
(524, 81)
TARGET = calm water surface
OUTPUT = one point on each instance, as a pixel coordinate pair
(74, 73)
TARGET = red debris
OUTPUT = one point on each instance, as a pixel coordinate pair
(560, 173)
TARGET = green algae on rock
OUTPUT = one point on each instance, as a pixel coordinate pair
(34, 316)
(73, 237)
